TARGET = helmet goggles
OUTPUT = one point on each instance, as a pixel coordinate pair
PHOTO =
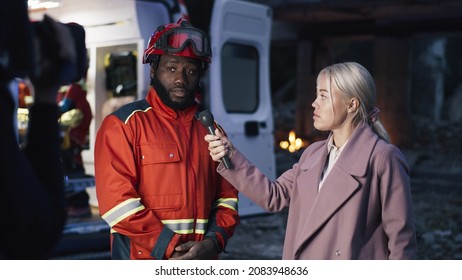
(177, 39)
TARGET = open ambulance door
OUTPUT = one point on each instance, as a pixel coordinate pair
(238, 86)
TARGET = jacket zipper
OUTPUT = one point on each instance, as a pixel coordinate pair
(189, 166)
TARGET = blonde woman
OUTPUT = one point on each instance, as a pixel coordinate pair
(349, 195)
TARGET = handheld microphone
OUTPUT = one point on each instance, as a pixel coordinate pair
(206, 118)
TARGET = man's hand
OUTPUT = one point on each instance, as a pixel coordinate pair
(195, 250)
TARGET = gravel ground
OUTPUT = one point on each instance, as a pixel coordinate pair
(438, 214)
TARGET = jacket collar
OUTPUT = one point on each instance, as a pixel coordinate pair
(361, 143)
(158, 106)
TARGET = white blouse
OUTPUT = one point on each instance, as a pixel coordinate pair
(333, 153)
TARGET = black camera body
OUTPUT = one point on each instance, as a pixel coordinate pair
(68, 57)
(39, 49)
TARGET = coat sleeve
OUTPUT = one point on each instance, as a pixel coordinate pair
(397, 210)
(272, 196)
(116, 188)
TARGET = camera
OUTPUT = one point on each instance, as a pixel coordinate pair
(47, 51)
(60, 50)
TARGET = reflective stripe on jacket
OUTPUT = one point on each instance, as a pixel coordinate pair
(156, 183)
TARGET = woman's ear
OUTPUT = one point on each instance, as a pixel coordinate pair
(353, 105)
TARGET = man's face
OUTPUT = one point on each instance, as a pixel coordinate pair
(176, 81)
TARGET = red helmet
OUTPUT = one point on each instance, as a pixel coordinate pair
(179, 39)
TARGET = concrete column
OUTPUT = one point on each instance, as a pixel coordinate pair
(392, 73)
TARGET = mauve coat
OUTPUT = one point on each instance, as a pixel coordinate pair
(363, 210)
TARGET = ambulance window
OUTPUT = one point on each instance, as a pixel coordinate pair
(239, 69)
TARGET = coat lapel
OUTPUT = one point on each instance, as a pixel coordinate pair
(338, 187)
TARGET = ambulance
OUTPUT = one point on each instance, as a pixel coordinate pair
(236, 86)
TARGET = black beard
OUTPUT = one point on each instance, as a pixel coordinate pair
(165, 97)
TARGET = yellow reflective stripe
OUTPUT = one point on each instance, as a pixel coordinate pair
(230, 203)
(201, 225)
(123, 210)
(183, 231)
(185, 226)
(144, 111)
(180, 226)
(178, 221)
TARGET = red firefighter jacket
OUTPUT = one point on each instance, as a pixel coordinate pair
(156, 184)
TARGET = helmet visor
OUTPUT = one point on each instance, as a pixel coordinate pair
(176, 40)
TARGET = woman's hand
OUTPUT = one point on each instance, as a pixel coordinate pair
(219, 145)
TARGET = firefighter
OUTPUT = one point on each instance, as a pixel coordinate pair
(75, 120)
(156, 186)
